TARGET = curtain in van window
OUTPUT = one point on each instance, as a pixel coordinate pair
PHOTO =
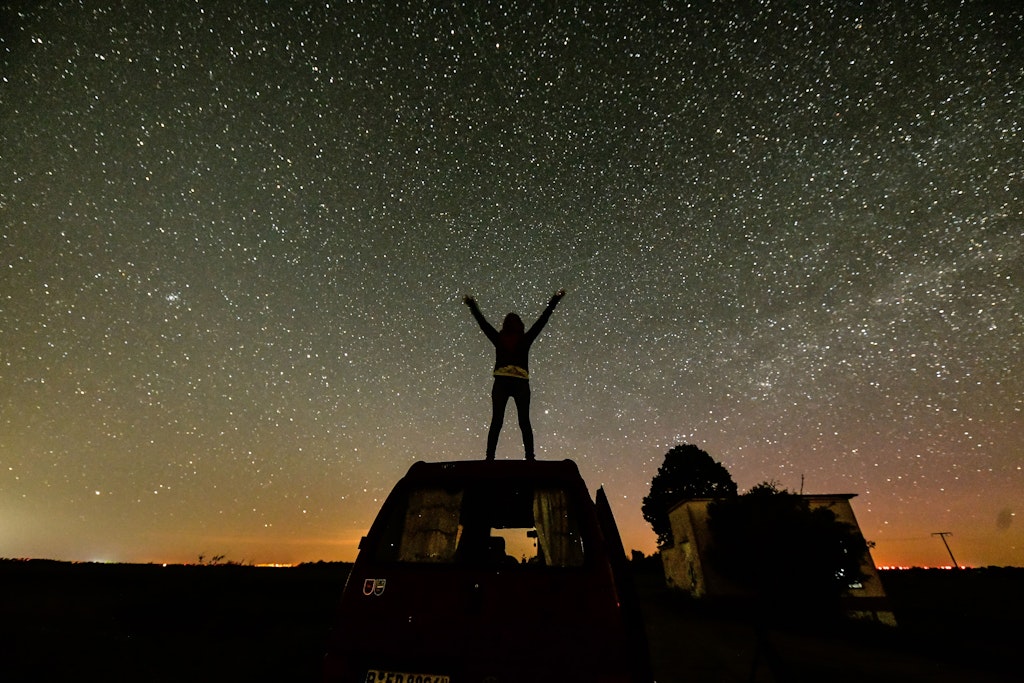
(431, 531)
(557, 532)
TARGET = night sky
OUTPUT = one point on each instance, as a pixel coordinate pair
(235, 238)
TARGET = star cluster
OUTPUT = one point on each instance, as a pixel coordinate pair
(234, 240)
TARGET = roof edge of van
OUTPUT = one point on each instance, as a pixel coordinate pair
(485, 468)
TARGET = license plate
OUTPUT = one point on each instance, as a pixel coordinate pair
(376, 676)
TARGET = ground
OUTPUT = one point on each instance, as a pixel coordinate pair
(227, 623)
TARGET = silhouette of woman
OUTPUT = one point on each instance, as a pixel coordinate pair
(511, 369)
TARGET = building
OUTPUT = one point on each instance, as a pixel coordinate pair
(687, 567)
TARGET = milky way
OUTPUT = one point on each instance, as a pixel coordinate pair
(234, 242)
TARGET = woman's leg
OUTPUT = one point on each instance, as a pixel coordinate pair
(522, 398)
(499, 399)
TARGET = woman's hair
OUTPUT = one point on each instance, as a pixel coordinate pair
(513, 324)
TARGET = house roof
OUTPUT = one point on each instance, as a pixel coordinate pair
(808, 496)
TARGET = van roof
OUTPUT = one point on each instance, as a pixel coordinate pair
(495, 469)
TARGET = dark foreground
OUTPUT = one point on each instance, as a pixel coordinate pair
(231, 623)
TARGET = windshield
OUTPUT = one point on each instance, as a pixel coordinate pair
(491, 523)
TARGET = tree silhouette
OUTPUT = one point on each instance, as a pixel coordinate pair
(688, 472)
(792, 557)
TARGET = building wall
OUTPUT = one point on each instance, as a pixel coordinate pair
(686, 568)
(688, 556)
(682, 562)
(841, 508)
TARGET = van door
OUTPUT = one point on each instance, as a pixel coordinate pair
(626, 589)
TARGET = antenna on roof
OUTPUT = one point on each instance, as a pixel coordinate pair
(801, 484)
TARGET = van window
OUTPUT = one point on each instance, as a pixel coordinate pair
(432, 528)
(496, 524)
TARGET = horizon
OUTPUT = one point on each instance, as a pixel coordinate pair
(228, 562)
(204, 558)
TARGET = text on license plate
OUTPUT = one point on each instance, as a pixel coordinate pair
(375, 676)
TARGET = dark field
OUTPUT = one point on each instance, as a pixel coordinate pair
(231, 623)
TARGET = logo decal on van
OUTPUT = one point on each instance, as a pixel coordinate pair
(374, 586)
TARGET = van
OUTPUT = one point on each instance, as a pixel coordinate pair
(489, 572)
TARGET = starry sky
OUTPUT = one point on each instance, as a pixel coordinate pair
(235, 238)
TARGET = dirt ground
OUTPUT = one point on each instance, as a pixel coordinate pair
(232, 623)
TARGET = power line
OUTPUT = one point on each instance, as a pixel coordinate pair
(942, 535)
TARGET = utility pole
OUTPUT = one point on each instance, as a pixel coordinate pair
(942, 535)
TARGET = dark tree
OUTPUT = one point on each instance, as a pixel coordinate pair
(688, 472)
(794, 558)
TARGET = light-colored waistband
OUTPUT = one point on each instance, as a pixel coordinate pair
(512, 371)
